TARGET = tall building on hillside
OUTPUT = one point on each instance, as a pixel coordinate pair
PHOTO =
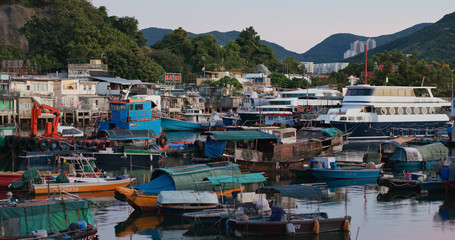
(358, 47)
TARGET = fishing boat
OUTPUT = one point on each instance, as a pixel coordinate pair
(277, 150)
(193, 120)
(276, 225)
(412, 182)
(191, 177)
(179, 202)
(372, 111)
(19, 220)
(417, 157)
(83, 181)
(335, 172)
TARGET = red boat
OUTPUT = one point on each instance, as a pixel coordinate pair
(6, 178)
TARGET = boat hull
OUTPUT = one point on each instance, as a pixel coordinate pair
(322, 173)
(154, 125)
(365, 130)
(80, 187)
(6, 178)
(301, 226)
(170, 124)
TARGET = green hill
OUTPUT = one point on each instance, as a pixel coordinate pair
(329, 50)
(434, 42)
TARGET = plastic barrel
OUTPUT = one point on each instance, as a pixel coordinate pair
(445, 173)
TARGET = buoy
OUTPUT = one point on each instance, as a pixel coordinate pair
(290, 229)
(316, 227)
(346, 225)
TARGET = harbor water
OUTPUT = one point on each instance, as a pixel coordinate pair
(375, 213)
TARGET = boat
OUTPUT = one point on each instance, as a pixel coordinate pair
(132, 114)
(19, 220)
(86, 179)
(191, 177)
(248, 110)
(179, 202)
(372, 111)
(412, 183)
(417, 157)
(129, 147)
(193, 120)
(313, 101)
(277, 150)
(335, 172)
(313, 223)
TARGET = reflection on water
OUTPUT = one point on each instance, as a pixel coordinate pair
(375, 215)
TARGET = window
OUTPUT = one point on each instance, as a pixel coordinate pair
(131, 107)
(359, 92)
(28, 87)
(123, 107)
(115, 107)
(139, 107)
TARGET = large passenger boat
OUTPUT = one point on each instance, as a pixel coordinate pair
(373, 111)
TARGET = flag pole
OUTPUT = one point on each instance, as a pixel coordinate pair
(366, 54)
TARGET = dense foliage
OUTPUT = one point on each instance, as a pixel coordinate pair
(226, 82)
(400, 70)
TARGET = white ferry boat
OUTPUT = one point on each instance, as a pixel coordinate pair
(313, 100)
(374, 111)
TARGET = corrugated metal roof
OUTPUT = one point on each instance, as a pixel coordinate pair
(240, 135)
(122, 134)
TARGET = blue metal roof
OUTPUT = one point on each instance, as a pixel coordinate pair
(118, 80)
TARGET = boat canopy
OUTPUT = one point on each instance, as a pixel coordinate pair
(243, 178)
(187, 197)
(190, 177)
(123, 134)
(429, 152)
(24, 218)
(294, 191)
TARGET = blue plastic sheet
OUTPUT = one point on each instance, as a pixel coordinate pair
(164, 182)
(214, 149)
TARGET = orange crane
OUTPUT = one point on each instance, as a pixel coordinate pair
(50, 128)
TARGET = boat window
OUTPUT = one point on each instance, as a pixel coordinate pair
(342, 118)
(122, 107)
(139, 107)
(288, 134)
(359, 92)
(367, 109)
(131, 107)
(359, 118)
(115, 107)
(350, 118)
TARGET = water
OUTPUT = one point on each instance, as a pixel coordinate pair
(375, 214)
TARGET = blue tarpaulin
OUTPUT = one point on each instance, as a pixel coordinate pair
(162, 183)
(213, 148)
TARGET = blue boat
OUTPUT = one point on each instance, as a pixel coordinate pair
(334, 172)
(417, 157)
(172, 124)
(132, 114)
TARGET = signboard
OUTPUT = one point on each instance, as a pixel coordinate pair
(173, 78)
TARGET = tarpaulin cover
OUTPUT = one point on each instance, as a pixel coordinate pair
(429, 152)
(30, 176)
(244, 178)
(50, 216)
(162, 183)
(214, 149)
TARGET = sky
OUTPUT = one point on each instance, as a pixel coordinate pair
(297, 25)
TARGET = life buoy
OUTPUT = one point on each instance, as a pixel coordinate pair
(308, 108)
(162, 140)
(54, 144)
(43, 144)
(10, 141)
(300, 109)
(400, 111)
(384, 111)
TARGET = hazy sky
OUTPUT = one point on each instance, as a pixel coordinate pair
(297, 25)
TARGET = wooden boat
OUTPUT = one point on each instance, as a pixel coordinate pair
(18, 220)
(277, 150)
(412, 183)
(276, 226)
(6, 178)
(179, 202)
(83, 182)
(191, 177)
(418, 157)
